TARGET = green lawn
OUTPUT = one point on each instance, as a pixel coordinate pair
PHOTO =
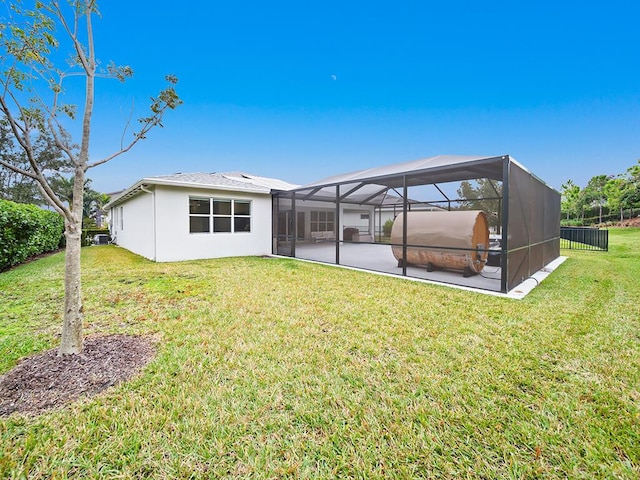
(272, 368)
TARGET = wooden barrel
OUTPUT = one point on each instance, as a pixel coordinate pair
(457, 240)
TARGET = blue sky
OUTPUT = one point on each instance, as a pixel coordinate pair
(304, 90)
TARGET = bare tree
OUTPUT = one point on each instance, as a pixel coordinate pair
(32, 88)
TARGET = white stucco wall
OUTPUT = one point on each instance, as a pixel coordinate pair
(173, 241)
(351, 218)
(131, 225)
(156, 226)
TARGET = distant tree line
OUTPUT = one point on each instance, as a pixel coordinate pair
(55, 168)
(605, 198)
(482, 194)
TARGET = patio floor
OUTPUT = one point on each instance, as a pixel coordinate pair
(379, 258)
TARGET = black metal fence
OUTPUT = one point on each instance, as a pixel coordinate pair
(584, 238)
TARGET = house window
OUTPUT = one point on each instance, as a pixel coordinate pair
(364, 216)
(199, 215)
(219, 215)
(241, 216)
(322, 221)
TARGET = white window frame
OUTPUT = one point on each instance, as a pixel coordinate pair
(322, 221)
(212, 216)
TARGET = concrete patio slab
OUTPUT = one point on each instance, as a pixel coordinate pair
(378, 259)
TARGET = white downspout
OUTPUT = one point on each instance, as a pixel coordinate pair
(153, 195)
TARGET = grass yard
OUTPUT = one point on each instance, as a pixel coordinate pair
(274, 368)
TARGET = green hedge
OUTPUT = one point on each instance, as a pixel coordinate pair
(27, 230)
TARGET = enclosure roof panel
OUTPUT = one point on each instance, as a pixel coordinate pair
(438, 169)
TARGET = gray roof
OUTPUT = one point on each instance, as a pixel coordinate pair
(370, 186)
(438, 169)
(229, 181)
(235, 180)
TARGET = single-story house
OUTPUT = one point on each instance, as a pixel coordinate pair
(189, 216)
(339, 219)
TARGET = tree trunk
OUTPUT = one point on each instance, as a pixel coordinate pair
(600, 214)
(73, 314)
(71, 342)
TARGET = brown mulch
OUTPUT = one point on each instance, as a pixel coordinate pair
(631, 222)
(46, 381)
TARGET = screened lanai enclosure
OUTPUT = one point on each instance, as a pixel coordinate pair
(478, 222)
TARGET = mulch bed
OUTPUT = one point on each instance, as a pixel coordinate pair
(631, 222)
(46, 381)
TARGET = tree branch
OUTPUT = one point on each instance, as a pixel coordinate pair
(148, 124)
(73, 34)
(21, 133)
(168, 99)
(16, 169)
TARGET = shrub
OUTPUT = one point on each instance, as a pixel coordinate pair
(27, 230)
(571, 223)
(386, 228)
